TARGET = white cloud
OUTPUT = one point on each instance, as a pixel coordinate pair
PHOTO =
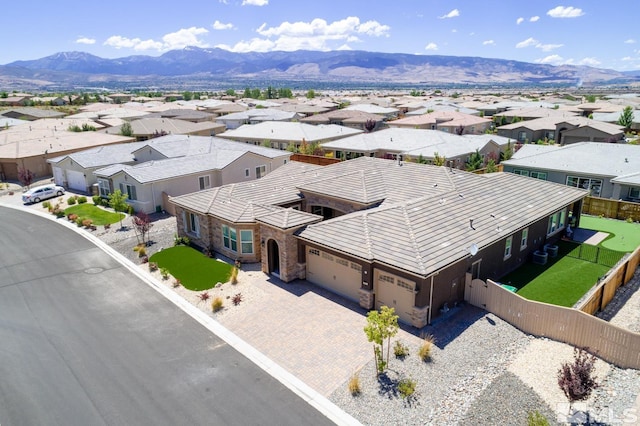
(565, 12)
(630, 41)
(176, 40)
(488, 43)
(551, 59)
(454, 30)
(519, 21)
(185, 37)
(431, 46)
(452, 14)
(628, 58)
(255, 2)
(548, 47)
(534, 19)
(85, 40)
(220, 26)
(119, 42)
(526, 43)
(253, 45)
(592, 62)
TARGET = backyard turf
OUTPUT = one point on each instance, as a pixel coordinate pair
(96, 214)
(624, 236)
(195, 271)
(562, 281)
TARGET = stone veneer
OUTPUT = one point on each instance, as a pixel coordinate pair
(366, 298)
(290, 266)
(204, 240)
(419, 316)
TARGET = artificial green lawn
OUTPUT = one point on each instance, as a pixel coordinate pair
(195, 271)
(96, 214)
(562, 281)
(624, 236)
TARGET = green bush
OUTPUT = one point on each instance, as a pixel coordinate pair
(400, 350)
(79, 221)
(97, 200)
(46, 204)
(406, 387)
(536, 419)
(81, 199)
(164, 272)
(71, 200)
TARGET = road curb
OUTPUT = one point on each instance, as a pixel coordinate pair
(304, 391)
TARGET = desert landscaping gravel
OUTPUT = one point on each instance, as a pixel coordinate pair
(483, 371)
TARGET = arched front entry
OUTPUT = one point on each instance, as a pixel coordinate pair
(273, 257)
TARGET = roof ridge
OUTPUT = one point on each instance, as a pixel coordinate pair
(416, 247)
(367, 235)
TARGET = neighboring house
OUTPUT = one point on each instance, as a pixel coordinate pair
(31, 113)
(75, 171)
(110, 112)
(256, 115)
(6, 122)
(280, 135)
(304, 109)
(29, 146)
(148, 128)
(446, 121)
(120, 98)
(191, 115)
(403, 143)
(532, 113)
(614, 117)
(387, 112)
(178, 164)
(348, 118)
(380, 232)
(580, 129)
(606, 170)
(530, 130)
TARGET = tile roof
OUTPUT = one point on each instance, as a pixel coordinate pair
(423, 235)
(288, 131)
(288, 218)
(594, 158)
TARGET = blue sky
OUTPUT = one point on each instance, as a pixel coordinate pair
(603, 34)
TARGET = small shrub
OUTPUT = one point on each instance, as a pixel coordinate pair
(400, 350)
(424, 352)
(107, 226)
(71, 200)
(46, 205)
(536, 419)
(177, 241)
(81, 199)
(59, 213)
(629, 219)
(79, 221)
(176, 283)
(153, 266)
(204, 296)
(234, 276)
(164, 272)
(145, 259)
(97, 200)
(354, 385)
(406, 387)
(142, 252)
(217, 304)
(237, 298)
(87, 223)
(576, 379)
(72, 217)
(130, 211)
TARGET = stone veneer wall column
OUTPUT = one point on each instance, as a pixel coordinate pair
(290, 266)
(366, 298)
(419, 316)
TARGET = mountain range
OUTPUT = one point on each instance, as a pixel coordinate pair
(194, 66)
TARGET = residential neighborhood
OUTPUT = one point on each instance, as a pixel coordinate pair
(467, 213)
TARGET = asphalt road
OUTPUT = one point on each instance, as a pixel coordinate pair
(85, 342)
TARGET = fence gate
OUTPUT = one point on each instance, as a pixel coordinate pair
(475, 292)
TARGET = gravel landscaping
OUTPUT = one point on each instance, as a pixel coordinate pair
(483, 371)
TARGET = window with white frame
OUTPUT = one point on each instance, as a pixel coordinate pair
(230, 239)
(205, 182)
(104, 188)
(261, 171)
(129, 191)
(594, 185)
(538, 175)
(521, 172)
(246, 241)
(191, 223)
(556, 222)
(507, 247)
(634, 192)
(524, 238)
(522, 136)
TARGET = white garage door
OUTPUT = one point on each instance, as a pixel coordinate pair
(76, 180)
(395, 292)
(334, 273)
(58, 176)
